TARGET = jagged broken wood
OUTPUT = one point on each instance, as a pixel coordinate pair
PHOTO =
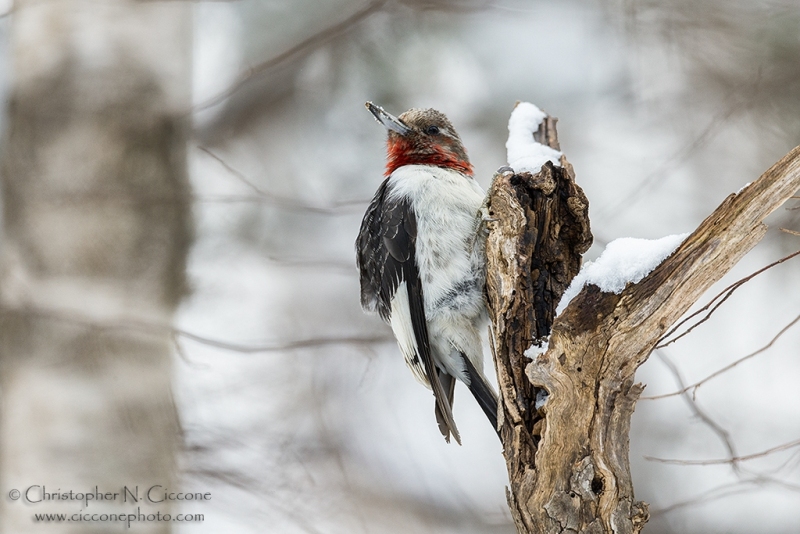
(568, 462)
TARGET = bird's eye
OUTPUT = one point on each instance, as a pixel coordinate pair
(432, 130)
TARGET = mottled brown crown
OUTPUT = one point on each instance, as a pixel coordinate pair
(432, 140)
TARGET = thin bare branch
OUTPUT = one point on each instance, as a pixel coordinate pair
(153, 328)
(746, 476)
(300, 49)
(723, 434)
(693, 387)
(659, 174)
(284, 202)
(237, 174)
(288, 345)
(779, 448)
(790, 231)
(341, 266)
(714, 494)
(727, 292)
(726, 490)
(182, 353)
(146, 198)
(452, 6)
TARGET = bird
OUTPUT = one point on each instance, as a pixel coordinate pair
(422, 263)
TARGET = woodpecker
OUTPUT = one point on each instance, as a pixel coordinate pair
(421, 262)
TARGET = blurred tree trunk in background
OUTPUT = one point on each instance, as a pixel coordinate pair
(96, 230)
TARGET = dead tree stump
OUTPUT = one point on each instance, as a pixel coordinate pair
(568, 461)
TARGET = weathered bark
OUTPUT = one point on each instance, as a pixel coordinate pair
(96, 230)
(540, 230)
(577, 478)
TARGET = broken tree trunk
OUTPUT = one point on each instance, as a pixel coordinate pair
(568, 461)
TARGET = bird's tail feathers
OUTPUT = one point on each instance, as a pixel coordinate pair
(445, 419)
(482, 392)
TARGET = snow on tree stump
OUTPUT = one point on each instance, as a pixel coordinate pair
(567, 457)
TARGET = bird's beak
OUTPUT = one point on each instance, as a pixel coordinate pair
(388, 120)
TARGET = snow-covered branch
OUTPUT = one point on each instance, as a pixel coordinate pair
(568, 460)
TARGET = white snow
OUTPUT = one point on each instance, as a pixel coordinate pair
(743, 187)
(533, 351)
(541, 398)
(625, 260)
(524, 153)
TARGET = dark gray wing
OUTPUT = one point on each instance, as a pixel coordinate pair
(381, 273)
(385, 254)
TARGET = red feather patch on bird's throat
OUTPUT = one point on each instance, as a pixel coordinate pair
(402, 151)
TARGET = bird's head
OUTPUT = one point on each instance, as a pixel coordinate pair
(421, 137)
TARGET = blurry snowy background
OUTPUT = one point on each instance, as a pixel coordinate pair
(313, 424)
